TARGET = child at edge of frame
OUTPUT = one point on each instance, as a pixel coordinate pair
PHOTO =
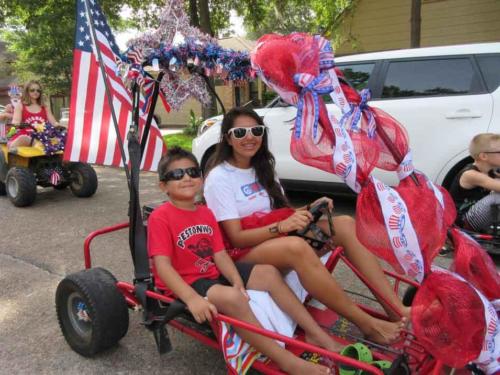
(189, 260)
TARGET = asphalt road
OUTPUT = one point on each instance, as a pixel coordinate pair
(41, 244)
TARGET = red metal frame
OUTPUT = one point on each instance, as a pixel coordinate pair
(128, 292)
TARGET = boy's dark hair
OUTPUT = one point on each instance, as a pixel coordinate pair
(173, 154)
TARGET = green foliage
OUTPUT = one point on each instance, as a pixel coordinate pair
(193, 124)
(284, 16)
(181, 140)
(40, 34)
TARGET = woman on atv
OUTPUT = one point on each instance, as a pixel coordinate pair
(243, 181)
(30, 111)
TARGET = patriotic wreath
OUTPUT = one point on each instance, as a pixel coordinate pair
(53, 139)
(174, 47)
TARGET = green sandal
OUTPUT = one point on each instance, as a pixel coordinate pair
(381, 365)
(357, 351)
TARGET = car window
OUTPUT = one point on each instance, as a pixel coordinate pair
(357, 74)
(490, 67)
(429, 78)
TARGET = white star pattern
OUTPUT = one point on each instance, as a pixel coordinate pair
(80, 43)
(87, 37)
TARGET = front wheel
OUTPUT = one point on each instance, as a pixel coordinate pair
(91, 311)
(84, 180)
(21, 186)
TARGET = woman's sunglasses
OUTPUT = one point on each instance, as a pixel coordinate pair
(35, 90)
(178, 174)
(239, 133)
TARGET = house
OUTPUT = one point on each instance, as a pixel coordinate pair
(377, 25)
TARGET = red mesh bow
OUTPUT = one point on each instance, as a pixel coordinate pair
(448, 319)
(474, 265)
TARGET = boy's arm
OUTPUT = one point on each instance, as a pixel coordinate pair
(198, 306)
(471, 179)
(227, 268)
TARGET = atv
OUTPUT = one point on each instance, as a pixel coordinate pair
(23, 168)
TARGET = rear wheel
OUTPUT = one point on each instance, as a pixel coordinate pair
(21, 186)
(91, 311)
(84, 180)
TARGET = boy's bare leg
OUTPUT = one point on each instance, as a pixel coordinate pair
(232, 302)
(20, 141)
(267, 278)
(366, 262)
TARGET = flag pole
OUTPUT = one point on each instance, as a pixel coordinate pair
(108, 93)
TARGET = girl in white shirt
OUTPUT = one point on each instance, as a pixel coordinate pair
(243, 181)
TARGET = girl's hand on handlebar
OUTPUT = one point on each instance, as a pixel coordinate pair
(298, 221)
(321, 200)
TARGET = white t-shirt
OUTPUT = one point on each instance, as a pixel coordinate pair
(233, 193)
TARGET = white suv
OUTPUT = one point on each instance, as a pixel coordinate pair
(443, 96)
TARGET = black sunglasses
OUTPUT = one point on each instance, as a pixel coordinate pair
(491, 152)
(35, 90)
(178, 174)
(239, 133)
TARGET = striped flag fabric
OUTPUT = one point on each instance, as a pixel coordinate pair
(91, 133)
(148, 92)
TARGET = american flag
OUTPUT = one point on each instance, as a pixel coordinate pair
(91, 133)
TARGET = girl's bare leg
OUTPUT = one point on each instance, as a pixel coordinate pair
(20, 141)
(294, 253)
(267, 278)
(365, 261)
(231, 302)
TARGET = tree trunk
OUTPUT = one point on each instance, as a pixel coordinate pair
(193, 13)
(416, 20)
(204, 11)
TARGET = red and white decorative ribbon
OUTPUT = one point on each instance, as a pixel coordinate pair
(400, 230)
(344, 157)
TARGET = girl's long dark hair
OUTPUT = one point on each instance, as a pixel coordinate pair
(263, 161)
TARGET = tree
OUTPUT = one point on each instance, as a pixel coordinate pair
(284, 16)
(40, 34)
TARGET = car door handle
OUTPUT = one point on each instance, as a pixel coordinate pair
(463, 113)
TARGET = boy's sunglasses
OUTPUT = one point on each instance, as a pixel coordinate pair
(35, 90)
(491, 152)
(178, 174)
(239, 133)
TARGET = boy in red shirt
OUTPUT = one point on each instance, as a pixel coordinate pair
(189, 260)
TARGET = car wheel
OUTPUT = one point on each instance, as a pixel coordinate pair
(84, 180)
(20, 186)
(204, 160)
(92, 313)
(409, 295)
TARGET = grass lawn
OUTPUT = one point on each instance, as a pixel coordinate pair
(179, 139)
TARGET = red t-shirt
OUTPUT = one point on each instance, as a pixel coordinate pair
(189, 238)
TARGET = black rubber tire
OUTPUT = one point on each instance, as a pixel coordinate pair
(84, 182)
(100, 301)
(3, 191)
(409, 295)
(21, 186)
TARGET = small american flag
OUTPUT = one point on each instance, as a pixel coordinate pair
(91, 133)
(148, 92)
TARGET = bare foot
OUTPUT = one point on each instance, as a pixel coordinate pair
(301, 367)
(325, 341)
(384, 332)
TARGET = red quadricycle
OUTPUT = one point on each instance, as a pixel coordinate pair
(93, 307)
